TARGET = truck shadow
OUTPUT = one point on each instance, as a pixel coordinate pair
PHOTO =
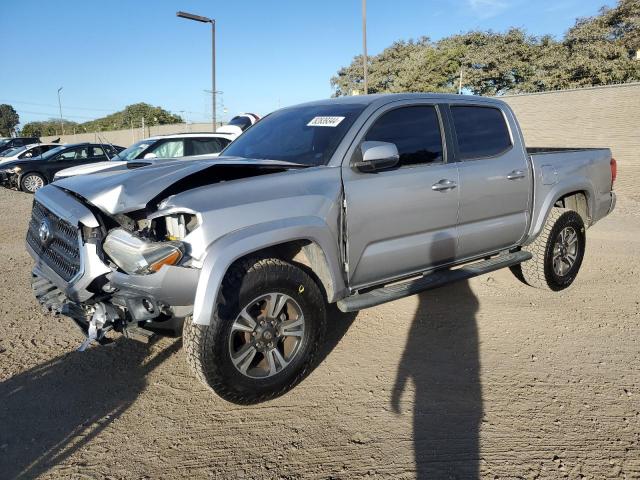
(441, 358)
(50, 411)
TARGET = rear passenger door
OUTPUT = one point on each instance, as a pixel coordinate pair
(495, 180)
(401, 220)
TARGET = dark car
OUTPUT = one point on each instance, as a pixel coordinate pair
(29, 175)
(9, 143)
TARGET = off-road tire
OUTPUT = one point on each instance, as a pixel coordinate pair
(538, 272)
(207, 346)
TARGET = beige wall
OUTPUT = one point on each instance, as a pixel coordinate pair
(129, 136)
(589, 117)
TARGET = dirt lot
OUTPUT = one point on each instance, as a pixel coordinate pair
(483, 379)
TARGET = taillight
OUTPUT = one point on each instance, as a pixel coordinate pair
(614, 170)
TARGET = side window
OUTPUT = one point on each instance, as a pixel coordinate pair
(34, 152)
(75, 154)
(169, 149)
(481, 131)
(204, 146)
(97, 152)
(414, 130)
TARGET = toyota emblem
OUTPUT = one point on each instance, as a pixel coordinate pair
(44, 232)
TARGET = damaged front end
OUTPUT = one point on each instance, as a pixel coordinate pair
(107, 273)
(113, 253)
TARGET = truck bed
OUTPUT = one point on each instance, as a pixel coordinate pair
(556, 168)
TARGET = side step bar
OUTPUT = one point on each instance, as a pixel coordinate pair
(430, 281)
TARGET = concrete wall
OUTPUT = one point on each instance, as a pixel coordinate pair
(589, 117)
(130, 136)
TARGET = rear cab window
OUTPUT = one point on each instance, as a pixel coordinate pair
(481, 131)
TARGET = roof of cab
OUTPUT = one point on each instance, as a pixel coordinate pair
(384, 98)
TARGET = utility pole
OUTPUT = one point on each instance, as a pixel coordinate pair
(198, 18)
(60, 108)
(143, 132)
(460, 82)
(365, 60)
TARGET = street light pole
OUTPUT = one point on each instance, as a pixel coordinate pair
(198, 18)
(365, 60)
(60, 108)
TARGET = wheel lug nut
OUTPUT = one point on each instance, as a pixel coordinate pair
(253, 334)
(270, 345)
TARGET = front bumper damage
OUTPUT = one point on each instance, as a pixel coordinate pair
(9, 179)
(99, 298)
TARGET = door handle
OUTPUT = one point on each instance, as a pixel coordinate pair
(444, 185)
(516, 174)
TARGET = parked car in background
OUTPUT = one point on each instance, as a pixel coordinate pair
(30, 174)
(146, 151)
(26, 152)
(9, 143)
(239, 124)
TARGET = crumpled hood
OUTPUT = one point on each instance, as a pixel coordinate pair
(117, 192)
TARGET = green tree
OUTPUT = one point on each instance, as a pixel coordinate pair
(133, 115)
(9, 120)
(595, 51)
(49, 127)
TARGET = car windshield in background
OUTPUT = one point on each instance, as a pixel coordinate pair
(4, 142)
(132, 152)
(304, 135)
(12, 151)
(242, 122)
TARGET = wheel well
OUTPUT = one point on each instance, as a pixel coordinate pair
(307, 255)
(576, 201)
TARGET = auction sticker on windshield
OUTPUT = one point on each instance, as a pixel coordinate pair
(325, 122)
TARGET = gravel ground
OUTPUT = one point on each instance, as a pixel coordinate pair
(486, 378)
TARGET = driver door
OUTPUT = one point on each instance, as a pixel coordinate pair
(400, 221)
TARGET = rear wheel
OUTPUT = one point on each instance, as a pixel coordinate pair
(557, 252)
(264, 336)
(31, 182)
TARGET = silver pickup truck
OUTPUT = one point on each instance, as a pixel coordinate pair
(353, 201)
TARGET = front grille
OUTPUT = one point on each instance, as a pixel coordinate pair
(62, 250)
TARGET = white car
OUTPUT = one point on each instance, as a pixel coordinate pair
(27, 151)
(156, 148)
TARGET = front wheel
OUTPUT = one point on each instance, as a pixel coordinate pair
(557, 252)
(31, 182)
(265, 335)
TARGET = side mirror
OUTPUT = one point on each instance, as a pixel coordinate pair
(377, 156)
(28, 155)
(147, 156)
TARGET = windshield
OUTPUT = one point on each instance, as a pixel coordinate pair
(304, 135)
(133, 151)
(12, 151)
(4, 142)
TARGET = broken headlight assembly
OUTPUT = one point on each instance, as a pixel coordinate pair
(135, 255)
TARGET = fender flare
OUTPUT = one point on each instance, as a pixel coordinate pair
(559, 190)
(229, 248)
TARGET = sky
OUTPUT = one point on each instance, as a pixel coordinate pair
(107, 54)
